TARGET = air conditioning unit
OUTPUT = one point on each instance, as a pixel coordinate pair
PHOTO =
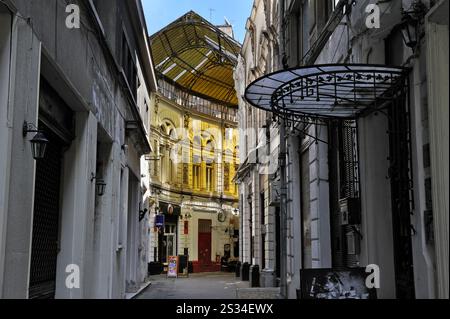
(350, 211)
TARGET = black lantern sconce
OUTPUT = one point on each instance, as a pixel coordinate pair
(100, 185)
(410, 24)
(38, 143)
(142, 213)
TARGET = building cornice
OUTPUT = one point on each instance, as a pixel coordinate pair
(192, 193)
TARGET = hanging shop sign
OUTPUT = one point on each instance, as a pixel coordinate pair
(172, 268)
(159, 221)
(170, 209)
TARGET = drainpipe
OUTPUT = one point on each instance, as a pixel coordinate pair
(282, 163)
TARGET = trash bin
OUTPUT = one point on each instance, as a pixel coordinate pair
(238, 269)
(254, 276)
(245, 272)
(155, 268)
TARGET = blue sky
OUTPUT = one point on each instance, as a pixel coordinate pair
(160, 13)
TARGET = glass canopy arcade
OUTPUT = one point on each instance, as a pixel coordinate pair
(196, 56)
(327, 91)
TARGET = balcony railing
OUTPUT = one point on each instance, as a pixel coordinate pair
(197, 104)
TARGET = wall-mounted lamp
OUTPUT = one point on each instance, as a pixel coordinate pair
(100, 185)
(38, 143)
(410, 24)
(142, 214)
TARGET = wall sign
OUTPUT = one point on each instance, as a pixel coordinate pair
(186, 228)
(159, 221)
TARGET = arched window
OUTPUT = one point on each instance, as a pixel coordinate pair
(173, 134)
(163, 129)
(196, 163)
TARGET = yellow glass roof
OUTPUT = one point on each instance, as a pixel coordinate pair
(195, 55)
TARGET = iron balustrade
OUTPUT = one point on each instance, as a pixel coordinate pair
(197, 104)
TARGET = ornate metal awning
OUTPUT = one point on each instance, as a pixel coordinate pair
(344, 91)
(198, 57)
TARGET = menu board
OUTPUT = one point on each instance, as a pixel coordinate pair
(172, 268)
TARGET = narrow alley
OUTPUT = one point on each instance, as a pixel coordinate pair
(197, 287)
(224, 150)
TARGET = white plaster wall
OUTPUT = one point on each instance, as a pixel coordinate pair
(423, 253)
(438, 79)
(319, 201)
(5, 132)
(24, 77)
(377, 245)
(77, 207)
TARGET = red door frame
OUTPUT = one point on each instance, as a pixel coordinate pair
(204, 247)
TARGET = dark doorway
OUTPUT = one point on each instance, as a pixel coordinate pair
(167, 239)
(45, 244)
(400, 174)
(344, 187)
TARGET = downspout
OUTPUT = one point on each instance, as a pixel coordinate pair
(282, 161)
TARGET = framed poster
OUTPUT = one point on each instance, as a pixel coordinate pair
(335, 284)
(172, 267)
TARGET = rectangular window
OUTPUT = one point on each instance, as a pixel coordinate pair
(185, 174)
(196, 176)
(209, 178)
(226, 177)
(173, 172)
(312, 5)
(129, 66)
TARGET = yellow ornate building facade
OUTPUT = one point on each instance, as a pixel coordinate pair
(192, 166)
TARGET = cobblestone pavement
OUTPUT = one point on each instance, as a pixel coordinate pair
(197, 286)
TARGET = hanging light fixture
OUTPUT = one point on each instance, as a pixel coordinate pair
(38, 143)
(409, 31)
(410, 24)
(100, 185)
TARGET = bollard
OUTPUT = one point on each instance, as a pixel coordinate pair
(245, 272)
(238, 269)
(254, 276)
